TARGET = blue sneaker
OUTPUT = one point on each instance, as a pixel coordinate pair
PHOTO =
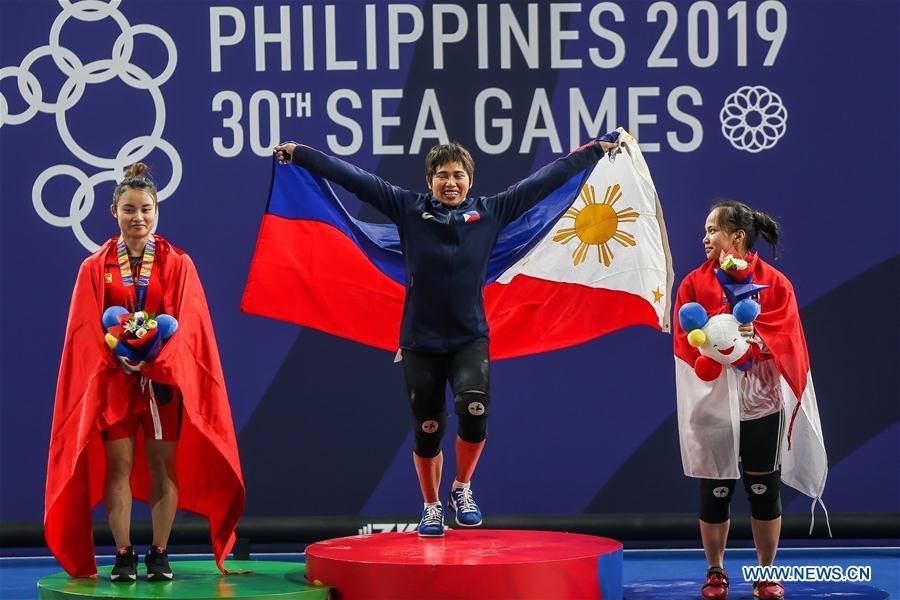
(432, 523)
(467, 512)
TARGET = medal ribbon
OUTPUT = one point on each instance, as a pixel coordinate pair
(142, 280)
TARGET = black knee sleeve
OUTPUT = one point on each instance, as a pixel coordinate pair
(715, 499)
(429, 431)
(472, 410)
(764, 492)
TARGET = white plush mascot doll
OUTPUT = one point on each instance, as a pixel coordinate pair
(717, 338)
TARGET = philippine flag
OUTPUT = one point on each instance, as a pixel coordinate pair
(590, 258)
(471, 215)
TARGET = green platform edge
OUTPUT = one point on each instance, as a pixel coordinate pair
(194, 580)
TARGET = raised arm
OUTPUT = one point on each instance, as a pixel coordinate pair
(386, 198)
(516, 200)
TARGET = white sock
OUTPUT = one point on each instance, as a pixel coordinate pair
(456, 485)
(430, 504)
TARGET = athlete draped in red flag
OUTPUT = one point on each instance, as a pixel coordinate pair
(763, 416)
(160, 431)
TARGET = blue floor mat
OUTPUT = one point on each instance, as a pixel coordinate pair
(648, 574)
(672, 574)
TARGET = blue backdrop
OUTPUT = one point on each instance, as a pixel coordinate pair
(202, 91)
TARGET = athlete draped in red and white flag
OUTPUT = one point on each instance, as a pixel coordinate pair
(764, 416)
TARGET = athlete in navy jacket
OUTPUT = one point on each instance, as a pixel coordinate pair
(446, 239)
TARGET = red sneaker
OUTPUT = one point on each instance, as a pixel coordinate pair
(716, 586)
(768, 590)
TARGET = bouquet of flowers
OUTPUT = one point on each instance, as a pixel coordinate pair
(737, 267)
(137, 336)
(730, 261)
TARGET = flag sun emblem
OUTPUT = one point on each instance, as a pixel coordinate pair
(596, 224)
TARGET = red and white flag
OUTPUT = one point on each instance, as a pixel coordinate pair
(709, 412)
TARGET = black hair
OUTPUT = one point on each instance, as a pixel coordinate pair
(732, 216)
(134, 179)
(448, 153)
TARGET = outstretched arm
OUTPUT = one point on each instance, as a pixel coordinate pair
(520, 197)
(371, 189)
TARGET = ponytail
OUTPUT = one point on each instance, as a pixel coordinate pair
(768, 228)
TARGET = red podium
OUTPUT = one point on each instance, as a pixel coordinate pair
(476, 564)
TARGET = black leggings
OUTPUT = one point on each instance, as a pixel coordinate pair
(760, 441)
(427, 374)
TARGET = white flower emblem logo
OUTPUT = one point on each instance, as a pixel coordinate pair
(753, 118)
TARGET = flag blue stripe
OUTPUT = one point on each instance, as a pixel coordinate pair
(298, 194)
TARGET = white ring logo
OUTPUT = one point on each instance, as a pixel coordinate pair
(79, 75)
(753, 118)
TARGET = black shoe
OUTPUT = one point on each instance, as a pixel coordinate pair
(157, 563)
(125, 569)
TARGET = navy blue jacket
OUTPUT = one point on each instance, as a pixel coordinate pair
(446, 250)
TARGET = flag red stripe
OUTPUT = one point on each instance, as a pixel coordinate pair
(531, 315)
(310, 273)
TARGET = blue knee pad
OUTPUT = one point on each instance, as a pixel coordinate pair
(764, 492)
(428, 433)
(472, 410)
(715, 499)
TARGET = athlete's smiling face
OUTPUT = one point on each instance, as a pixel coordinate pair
(450, 184)
(135, 211)
(716, 240)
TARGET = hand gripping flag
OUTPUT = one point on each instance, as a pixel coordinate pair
(590, 258)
